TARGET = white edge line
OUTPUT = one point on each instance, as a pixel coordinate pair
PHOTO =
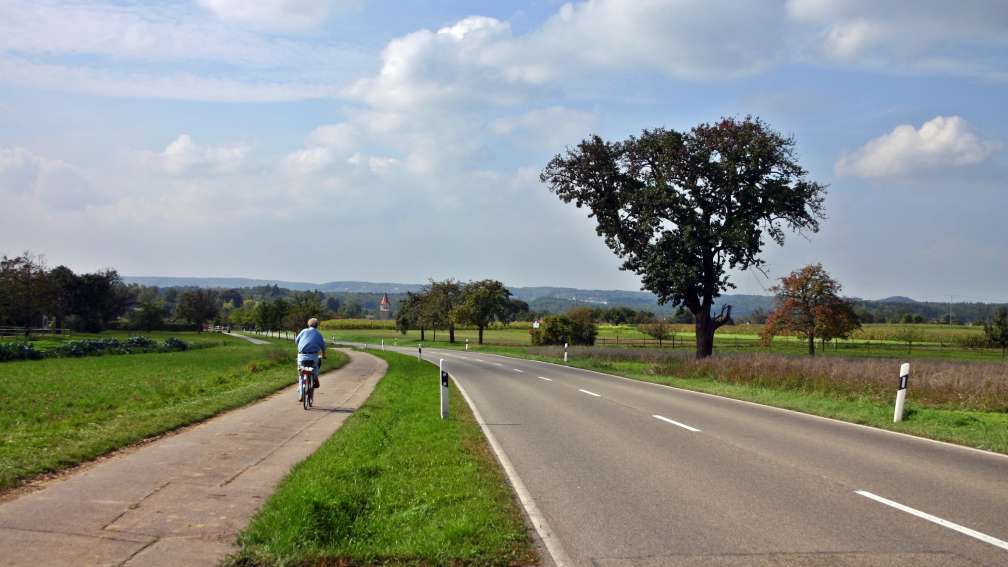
(590, 393)
(935, 519)
(674, 422)
(516, 370)
(552, 543)
(747, 402)
(545, 378)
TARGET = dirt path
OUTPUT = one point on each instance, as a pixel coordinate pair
(181, 500)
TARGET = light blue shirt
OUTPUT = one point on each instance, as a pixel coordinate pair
(310, 341)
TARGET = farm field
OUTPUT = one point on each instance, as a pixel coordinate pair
(58, 412)
(395, 485)
(874, 340)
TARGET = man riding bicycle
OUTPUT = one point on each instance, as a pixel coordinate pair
(311, 349)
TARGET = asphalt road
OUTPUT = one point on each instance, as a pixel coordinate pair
(630, 473)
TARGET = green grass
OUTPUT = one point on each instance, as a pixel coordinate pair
(55, 413)
(395, 485)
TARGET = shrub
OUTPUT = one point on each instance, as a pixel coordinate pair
(88, 347)
(560, 329)
(140, 343)
(18, 351)
(173, 344)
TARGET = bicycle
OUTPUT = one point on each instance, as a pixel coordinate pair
(306, 377)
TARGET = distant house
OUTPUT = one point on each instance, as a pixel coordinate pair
(384, 307)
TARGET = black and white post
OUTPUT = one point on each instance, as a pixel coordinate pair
(444, 389)
(383, 344)
(565, 352)
(467, 345)
(904, 380)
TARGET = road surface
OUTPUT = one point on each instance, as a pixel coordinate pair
(627, 473)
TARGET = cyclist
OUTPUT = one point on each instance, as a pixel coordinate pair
(311, 347)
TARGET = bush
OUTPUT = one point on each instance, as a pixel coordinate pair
(560, 329)
(173, 344)
(87, 347)
(18, 351)
(140, 343)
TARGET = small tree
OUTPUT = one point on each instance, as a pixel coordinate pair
(483, 302)
(658, 329)
(442, 299)
(909, 335)
(148, 315)
(808, 304)
(303, 306)
(996, 331)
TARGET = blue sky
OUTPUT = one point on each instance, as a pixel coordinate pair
(329, 140)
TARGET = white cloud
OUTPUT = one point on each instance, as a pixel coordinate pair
(551, 128)
(942, 142)
(29, 178)
(184, 156)
(907, 35)
(282, 15)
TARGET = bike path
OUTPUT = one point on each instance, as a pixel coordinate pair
(183, 499)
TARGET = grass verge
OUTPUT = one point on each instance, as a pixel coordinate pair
(395, 485)
(56, 413)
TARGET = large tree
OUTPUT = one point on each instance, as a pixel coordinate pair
(25, 293)
(682, 208)
(809, 305)
(440, 301)
(410, 314)
(482, 303)
(198, 306)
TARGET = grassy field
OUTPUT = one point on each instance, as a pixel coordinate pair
(395, 485)
(58, 412)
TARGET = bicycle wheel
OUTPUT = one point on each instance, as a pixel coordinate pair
(311, 395)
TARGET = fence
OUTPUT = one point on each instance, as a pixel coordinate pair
(23, 331)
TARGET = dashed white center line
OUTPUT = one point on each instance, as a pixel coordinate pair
(935, 519)
(516, 370)
(674, 422)
(479, 360)
(590, 393)
(545, 378)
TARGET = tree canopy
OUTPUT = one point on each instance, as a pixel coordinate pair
(809, 305)
(682, 208)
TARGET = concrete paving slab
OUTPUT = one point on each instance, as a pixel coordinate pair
(182, 499)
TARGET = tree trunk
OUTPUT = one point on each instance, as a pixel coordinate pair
(422, 336)
(811, 344)
(451, 333)
(480, 334)
(435, 335)
(704, 334)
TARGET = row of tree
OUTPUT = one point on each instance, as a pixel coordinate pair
(450, 303)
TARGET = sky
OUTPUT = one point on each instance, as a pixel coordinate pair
(315, 140)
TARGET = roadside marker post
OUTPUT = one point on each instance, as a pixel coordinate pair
(901, 392)
(565, 352)
(383, 344)
(444, 389)
(467, 345)
(419, 351)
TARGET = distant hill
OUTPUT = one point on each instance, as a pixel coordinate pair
(898, 299)
(547, 299)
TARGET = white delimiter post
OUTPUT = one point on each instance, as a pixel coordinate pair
(467, 344)
(565, 352)
(444, 389)
(901, 392)
(383, 344)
